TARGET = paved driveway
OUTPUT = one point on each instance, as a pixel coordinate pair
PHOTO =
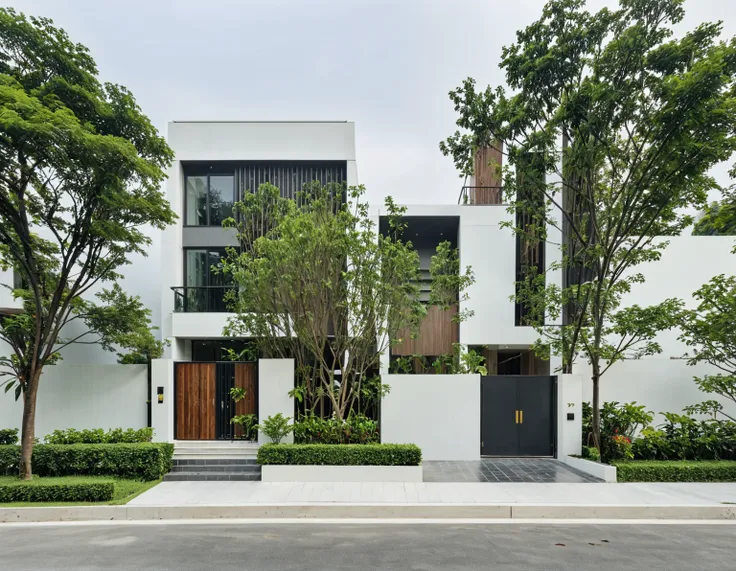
(539, 470)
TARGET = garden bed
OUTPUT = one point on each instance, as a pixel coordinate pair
(69, 490)
(676, 471)
(340, 463)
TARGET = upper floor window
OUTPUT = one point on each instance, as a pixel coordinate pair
(209, 199)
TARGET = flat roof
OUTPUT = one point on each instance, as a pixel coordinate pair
(317, 121)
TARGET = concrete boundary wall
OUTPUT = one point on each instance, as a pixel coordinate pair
(439, 413)
(84, 396)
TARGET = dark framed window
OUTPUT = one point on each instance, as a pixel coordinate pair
(209, 198)
(204, 287)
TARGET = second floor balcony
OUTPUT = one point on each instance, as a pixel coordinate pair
(201, 299)
(477, 195)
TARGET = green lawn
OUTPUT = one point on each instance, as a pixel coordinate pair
(125, 490)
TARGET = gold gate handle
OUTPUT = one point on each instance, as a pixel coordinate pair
(521, 417)
(516, 416)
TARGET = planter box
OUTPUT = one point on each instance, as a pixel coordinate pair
(603, 471)
(280, 473)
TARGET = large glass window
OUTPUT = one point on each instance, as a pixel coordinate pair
(205, 287)
(209, 199)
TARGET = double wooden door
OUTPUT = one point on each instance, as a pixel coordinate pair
(517, 415)
(203, 407)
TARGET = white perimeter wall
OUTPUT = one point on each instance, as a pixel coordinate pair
(275, 380)
(84, 396)
(664, 382)
(438, 413)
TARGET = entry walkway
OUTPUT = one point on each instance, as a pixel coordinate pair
(320, 493)
(539, 470)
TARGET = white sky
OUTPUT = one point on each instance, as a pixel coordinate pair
(385, 64)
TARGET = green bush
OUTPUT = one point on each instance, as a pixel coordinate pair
(683, 437)
(8, 436)
(340, 454)
(145, 461)
(676, 471)
(56, 491)
(591, 453)
(356, 429)
(99, 436)
(619, 423)
(276, 427)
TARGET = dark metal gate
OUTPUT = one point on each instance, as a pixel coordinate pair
(517, 415)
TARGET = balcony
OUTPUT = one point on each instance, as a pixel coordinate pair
(200, 299)
(481, 195)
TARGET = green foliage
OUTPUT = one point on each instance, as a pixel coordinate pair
(342, 455)
(356, 429)
(719, 219)
(591, 453)
(56, 490)
(248, 424)
(624, 95)
(8, 436)
(237, 394)
(80, 178)
(620, 423)
(99, 436)
(276, 427)
(318, 283)
(709, 330)
(143, 461)
(462, 361)
(683, 437)
(448, 285)
(676, 471)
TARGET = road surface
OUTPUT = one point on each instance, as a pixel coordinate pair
(373, 547)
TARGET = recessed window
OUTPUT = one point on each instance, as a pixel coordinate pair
(209, 199)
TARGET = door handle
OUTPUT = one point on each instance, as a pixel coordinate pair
(516, 416)
(521, 417)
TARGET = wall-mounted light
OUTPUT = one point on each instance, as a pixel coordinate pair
(160, 392)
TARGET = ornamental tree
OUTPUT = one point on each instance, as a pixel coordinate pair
(609, 128)
(709, 330)
(80, 175)
(318, 283)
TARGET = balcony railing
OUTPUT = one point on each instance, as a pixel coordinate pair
(200, 299)
(481, 195)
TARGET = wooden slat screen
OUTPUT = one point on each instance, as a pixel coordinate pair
(195, 401)
(437, 333)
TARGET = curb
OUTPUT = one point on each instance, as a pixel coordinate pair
(367, 511)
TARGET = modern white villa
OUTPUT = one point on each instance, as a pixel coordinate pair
(522, 407)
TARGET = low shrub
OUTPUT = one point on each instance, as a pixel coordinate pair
(276, 427)
(591, 453)
(99, 436)
(8, 436)
(340, 455)
(683, 437)
(619, 425)
(145, 461)
(356, 429)
(676, 471)
(39, 490)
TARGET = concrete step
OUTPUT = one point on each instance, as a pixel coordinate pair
(223, 468)
(240, 444)
(215, 462)
(212, 476)
(205, 455)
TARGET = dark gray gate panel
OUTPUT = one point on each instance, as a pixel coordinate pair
(535, 416)
(499, 431)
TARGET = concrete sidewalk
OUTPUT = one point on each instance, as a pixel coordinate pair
(354, 500)
(306, 493)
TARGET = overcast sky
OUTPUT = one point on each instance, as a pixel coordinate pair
(386, 65)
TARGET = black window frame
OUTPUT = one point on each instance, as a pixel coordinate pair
(206, 250)
(208, 174)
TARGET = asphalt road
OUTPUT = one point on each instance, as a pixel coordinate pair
(286, 547)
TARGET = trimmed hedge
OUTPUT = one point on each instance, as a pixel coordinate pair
(99, 436)
(56, 491)
(340, 454)
(145, 461)
(676, 471)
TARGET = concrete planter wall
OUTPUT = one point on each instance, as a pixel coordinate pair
(603, 471)
(341, 473)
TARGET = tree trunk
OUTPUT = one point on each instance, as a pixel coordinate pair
(596, 412)
(29, 427)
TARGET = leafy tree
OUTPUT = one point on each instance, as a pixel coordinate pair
(609, 132)
(80, 175)
(709, 330)
(448, 284)
(318, 283)
(719, 219)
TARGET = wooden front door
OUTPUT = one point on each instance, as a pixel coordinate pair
(195, 388)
